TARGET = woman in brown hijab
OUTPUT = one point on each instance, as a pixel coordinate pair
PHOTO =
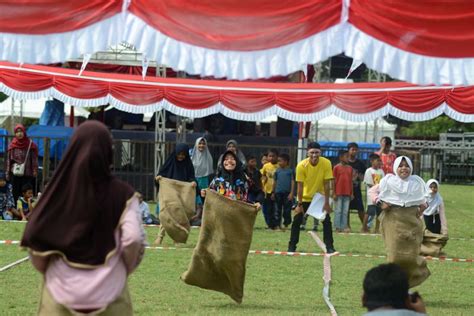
(85, 235)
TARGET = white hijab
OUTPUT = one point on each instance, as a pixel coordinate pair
(202, 161)
(402, 192)
(434, 200)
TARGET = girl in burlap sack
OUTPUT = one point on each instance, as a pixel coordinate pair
(434, 215)
(402, 199)
(178, 166)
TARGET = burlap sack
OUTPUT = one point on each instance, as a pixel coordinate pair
(433, 244)
(402, 231)
(219, 259)
(177, 205)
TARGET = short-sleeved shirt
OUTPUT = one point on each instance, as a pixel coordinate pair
(268, 171)
(387, 161)
(23, 205)
(359, 170)
(313, 177)
(284, 178)
(372, 177)
(343, 175)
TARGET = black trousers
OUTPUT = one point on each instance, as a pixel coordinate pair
(283, 208)
(433, 223)
(295, 229)
(270, 208)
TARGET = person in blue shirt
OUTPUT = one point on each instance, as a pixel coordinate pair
(283, 189)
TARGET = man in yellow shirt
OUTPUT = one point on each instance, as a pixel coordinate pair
(268, 171)
(313, 175)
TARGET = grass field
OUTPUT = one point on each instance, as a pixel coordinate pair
(274, 284)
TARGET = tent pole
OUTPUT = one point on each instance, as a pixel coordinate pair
(71, 117)
(22, 102)
(160, 132)
(12, 116)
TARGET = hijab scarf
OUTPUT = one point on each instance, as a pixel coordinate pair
(402, 192)
(240, 154)
(22, 143)
(81, 207)
(434, 200)
(234, 175)
(202, 161)
(178, 170)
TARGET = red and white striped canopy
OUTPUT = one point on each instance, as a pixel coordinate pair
(250, 101)
(423, 42)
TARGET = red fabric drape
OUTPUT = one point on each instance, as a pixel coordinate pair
(439, 29)
(243, 25)
(241, 97)
(46, 17)
(151, 71)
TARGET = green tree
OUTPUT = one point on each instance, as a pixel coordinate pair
(434, 127)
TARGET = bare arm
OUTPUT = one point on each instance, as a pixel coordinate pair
(299, 194)
(290, 196)
(327, 194)
(442, 217)
(40, 263)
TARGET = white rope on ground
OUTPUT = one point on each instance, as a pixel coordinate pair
(8, 266)
(327, 272)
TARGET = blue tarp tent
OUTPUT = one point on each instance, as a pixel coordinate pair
(59, 135)
(3, 143)
(53, 113)
(331, 149)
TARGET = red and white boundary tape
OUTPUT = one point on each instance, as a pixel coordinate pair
(326, 273)
(291, 254)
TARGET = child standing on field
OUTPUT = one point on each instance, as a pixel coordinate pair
(373, 176)
(343, 193)
(254, 180)
(283, 188)
(268, 172)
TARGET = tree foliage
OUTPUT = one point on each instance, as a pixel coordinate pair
(434, 127)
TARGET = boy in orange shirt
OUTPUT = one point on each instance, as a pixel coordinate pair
(343, 193)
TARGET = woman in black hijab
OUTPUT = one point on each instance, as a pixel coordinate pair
(178, 166)
(230, 180)
(85, 234)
